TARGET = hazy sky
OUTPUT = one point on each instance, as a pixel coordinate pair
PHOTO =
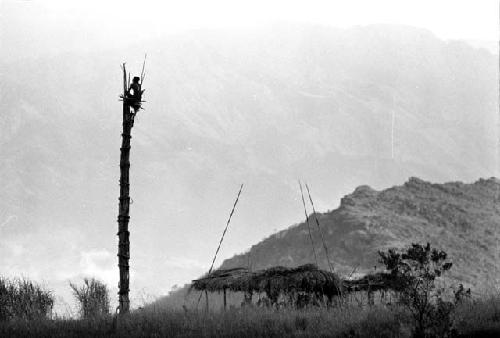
(40, 27)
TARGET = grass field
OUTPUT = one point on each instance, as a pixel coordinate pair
(478, 318)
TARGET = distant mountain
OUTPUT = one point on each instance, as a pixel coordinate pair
(336, 107)
(462, 219)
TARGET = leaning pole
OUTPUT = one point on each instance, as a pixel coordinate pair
(124, 202)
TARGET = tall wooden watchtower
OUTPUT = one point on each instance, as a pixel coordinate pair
(131, 105)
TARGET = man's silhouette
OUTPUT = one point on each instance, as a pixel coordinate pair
(135, 93)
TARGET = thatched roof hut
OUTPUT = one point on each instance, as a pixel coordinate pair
(306, 278)
(304, 283)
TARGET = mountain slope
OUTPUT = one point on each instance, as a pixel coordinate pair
(461, 219)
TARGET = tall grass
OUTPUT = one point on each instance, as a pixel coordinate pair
(246, 322)
(92, 297)
(479, 318)
(24, 299)
(25, 309)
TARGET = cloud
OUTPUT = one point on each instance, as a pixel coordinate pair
(99, 263)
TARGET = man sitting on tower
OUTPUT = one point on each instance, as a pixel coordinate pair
(134, 94)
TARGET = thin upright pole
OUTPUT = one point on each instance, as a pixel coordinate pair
(124, 204)
(225, 300)
(308, 225)
(221, 240)
(330, 265)
(225, 229)
(206, 301)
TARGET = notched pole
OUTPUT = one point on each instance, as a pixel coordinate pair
(124, 199)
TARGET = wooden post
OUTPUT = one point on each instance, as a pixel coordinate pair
(370, 295)
(124, 203)
(225, 301)
(206, 301)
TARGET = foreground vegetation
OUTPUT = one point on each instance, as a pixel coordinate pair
(24, 299)
(478, 318)
(422, 308)
(92, 297)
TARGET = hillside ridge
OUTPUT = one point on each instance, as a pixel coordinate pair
(460, 218)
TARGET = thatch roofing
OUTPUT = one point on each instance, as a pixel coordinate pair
(372, 282)
(232, 279)
(306, 278)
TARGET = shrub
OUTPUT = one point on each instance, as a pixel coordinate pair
(414, 271)
(92, 298)
(24, 299)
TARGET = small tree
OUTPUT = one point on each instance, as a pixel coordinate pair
(92, 297)
(413, 273)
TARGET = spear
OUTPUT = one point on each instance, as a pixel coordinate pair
(143, 73)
